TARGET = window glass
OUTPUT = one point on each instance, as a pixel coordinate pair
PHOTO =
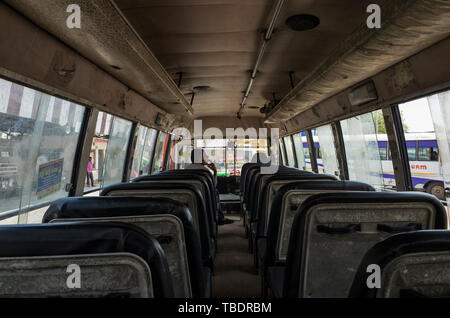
(298, 146)
(283, 153)
(440, 113)
(95, 169)
(306, 153)
(229, 155)
(383, 149)
(181, 155)
(327, 161)
(138, 150)
(289, 151)
(147, 152)
(171, 151)
(158, 159)
(422, 145)
(116, 151)
(361, 148)
(428, 151)
(38, 139)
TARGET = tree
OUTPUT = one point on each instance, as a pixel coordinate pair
(379, 121)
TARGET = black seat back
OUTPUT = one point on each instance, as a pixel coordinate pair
(186, 194)
(411, 265)
(269, 190)
(114, 259)
(168, 221)
(331, 233)
(284, 208)
(193, 179)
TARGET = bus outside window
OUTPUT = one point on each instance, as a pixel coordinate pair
(361, 149)
(423, 150)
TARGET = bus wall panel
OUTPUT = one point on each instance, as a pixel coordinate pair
(424, 73)
(34, 58)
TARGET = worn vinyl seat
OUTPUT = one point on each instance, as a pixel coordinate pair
(269, 189)
(187, 178)
(197, 172)
(180, 242)
(412, 265)
(34, 259)
(272, 249)
(257, 180)
(331, 233)
(187, 194)
(210, 182)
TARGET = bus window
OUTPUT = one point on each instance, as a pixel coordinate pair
(428, 151)
(147, 153)
(411, 147)
(38, 138)
(160, 148)
(361, 148)
(143, 151)
(229, 155)
(180, 156)
(326, 159)
(383, 149)
(283, 161)
(116, 151)
(98, 151)
(137, 156)
(440, 113)
(423, 151)
(298, 146)
(289, 151)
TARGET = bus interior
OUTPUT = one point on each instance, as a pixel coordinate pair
(224, 148)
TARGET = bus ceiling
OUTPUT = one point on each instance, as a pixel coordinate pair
(182, 60)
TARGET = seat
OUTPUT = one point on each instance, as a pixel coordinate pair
(267, 192)
(257, 180)
(193, 179)
(210, 184)
(114, 260)
(168, 221)
(184, 193)
(331, 233)
(272, 249)
(412, 265)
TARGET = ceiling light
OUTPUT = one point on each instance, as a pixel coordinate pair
(302, 22)
(201, 87)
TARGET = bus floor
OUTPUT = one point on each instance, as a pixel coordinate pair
(235, 275)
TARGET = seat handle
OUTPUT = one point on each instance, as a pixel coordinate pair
(164, 239)
(351, 228)
(399, 229)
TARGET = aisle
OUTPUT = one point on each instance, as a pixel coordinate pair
(234, 272)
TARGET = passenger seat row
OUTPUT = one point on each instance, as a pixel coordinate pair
(153, 237)
(315, 236)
